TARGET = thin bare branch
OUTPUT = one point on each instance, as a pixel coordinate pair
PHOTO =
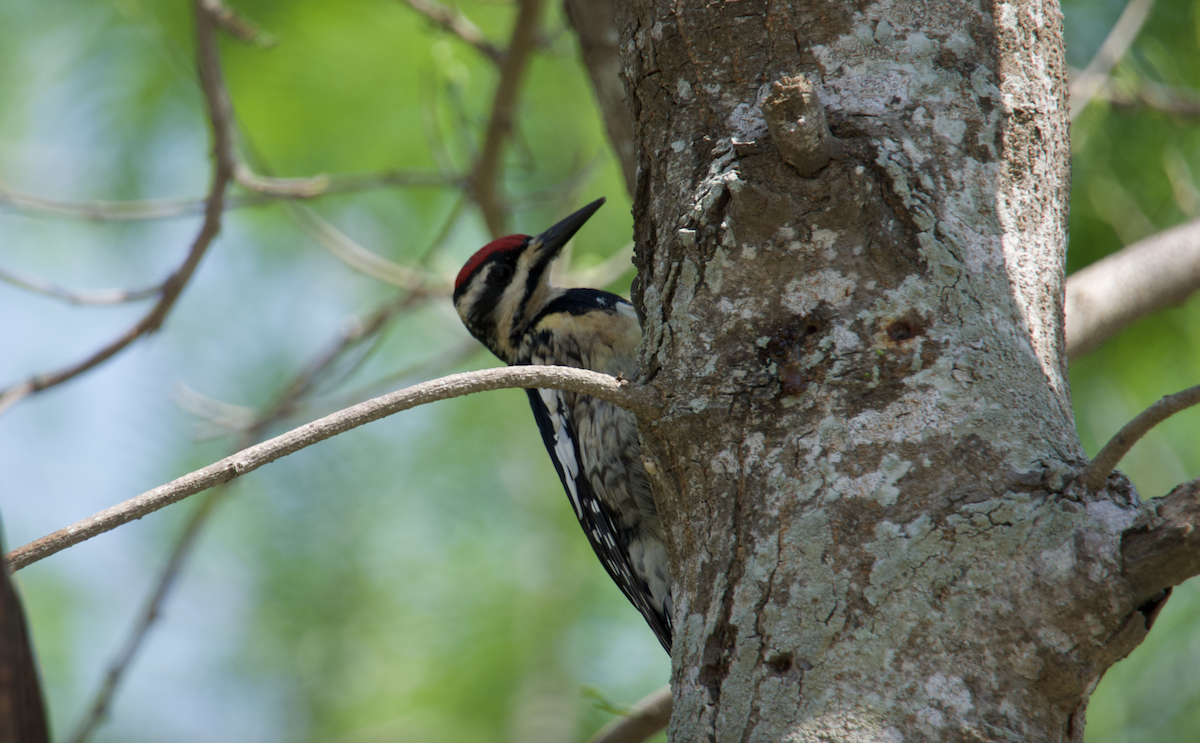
(445, 359)
(292, 188)
(353, 335)
(1142, 93)
(431, 123)
(483, 180)
(234, 24)
(1183, 184)
(642, 401)
(453, 20)
(443, 234)
(1085, 86)
(208, 13)
(99, 707)
(220, 116)
(358, 257)
(1095, 474)
(1143, 278)
(1162, 549)
(71, 296)
(217, 418)
(561, 192)
(595, 23)
(604, 273)
(127, 211)
(648, 717)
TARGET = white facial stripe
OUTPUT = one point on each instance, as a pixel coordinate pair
(474, 289)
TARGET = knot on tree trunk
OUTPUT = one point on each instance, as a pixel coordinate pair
(796, 121)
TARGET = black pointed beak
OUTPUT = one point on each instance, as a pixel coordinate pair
(557, 236)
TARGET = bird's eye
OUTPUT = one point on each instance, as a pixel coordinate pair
(500, 273)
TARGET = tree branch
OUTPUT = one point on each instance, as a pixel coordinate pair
(290, 188)
(283, 405)
(1088, 83)
(512, 72)
(98, 709)
(455, 22)
(1141, 279)
(595, 23)
(1163, 548)
(359, 258)
(1176, 101)
(642, 401)
(123, 211)
(648, 717)
(1095, 474)
(70, 296)
(234, 24)
(220, 116)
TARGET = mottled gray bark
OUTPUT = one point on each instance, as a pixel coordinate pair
(866, 464)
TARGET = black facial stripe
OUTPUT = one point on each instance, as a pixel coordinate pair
(478, 315)
(581, 302)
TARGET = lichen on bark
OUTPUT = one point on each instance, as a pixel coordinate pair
(865, 464)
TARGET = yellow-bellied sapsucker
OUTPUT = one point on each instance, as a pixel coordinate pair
(504, 297)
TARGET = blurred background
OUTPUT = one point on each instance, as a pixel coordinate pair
(421, 578)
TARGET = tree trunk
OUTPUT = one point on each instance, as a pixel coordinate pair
(866, 468)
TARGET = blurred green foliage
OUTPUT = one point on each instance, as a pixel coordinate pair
(423, 578)
(1132, 175)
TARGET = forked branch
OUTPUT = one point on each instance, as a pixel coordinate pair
(220, 115)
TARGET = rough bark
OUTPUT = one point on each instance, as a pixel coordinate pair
(1162, 549)
(866, 463)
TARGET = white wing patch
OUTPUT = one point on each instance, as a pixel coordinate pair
(564, 447)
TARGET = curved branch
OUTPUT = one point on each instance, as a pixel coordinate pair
(99, 707)
(291, 394)
(1095, 474)
(640, 400)
(1118, 41)
(359, 258)
(648, 717)
(483, 179)
(595, 23)
(131, 211)
(453, 21)
(1141, 279)
(220, 116)
(93, 297)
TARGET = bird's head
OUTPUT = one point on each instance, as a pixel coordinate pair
(506, 283)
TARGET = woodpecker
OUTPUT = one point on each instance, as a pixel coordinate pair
(504, 297)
